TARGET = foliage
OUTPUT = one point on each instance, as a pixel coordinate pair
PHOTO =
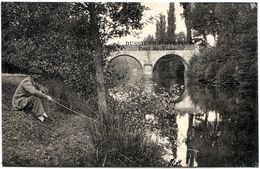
(201, 67)
(233, 60)
(56, 37)
(137, 104)
(149, 39)
(127, 128)
(203, 20)
(160, 34)
(171, 23)
(48, 46)
(187, 15)
(181, 37)
(114, 76)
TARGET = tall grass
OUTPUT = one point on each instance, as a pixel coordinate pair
(119, 144)
(71, 99)
(120, 141)
(123, 141)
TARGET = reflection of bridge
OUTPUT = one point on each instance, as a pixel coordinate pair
(147, 56)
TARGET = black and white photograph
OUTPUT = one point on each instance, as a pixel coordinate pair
(129, 84)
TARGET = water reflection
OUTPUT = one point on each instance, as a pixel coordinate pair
(217, 128)
(184, 150)
(214, 127)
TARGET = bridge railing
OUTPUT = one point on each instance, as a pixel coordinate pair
(158, 47)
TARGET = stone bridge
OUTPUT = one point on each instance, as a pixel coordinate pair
(148, 56)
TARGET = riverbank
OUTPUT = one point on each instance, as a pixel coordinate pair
(28, 142)
(70, 140)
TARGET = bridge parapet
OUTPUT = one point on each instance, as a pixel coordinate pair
(158, 47)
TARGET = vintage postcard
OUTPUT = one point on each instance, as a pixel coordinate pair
(129, 84)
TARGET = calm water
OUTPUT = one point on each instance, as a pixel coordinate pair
(216, 127)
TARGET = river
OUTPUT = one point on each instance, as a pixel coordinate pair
(211, 127)
(216, 127)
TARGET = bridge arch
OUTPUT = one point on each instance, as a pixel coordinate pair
(184, 61)
(127, 70)
(169, 73)
(111, 58)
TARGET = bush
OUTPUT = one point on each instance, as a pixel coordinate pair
(123, 141)
(226, 75)
(234, 59)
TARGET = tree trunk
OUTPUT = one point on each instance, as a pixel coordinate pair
(205, 38)
(101, 90)
(98, 52)
(189, 37)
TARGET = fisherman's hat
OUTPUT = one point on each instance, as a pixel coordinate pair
(35, 70)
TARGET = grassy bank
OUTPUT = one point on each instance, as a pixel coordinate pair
(73, 141)
(28, 142)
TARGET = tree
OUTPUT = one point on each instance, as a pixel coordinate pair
(237, 35)
(234, 60)
(109, 20)
(203, 20)
(160, 33)
(49, 36)
(181, 37)
(171, 23)
(67, 39)
(149, 39)
(187, 15)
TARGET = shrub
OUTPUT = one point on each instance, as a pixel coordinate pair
(123, 140)
(226, 74)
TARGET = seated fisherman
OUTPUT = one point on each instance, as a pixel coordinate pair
(29, 95)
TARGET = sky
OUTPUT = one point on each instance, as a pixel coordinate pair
(155, 9)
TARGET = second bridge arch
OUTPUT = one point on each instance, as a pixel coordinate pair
(169, 74)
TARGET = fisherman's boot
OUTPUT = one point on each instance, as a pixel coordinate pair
(45, 115)
(41, 118)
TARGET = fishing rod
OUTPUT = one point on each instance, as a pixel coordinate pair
(89, 118)
(72, 110)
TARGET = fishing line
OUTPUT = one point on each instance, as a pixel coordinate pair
(72, 110)
(89, 118)
(105, 124)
